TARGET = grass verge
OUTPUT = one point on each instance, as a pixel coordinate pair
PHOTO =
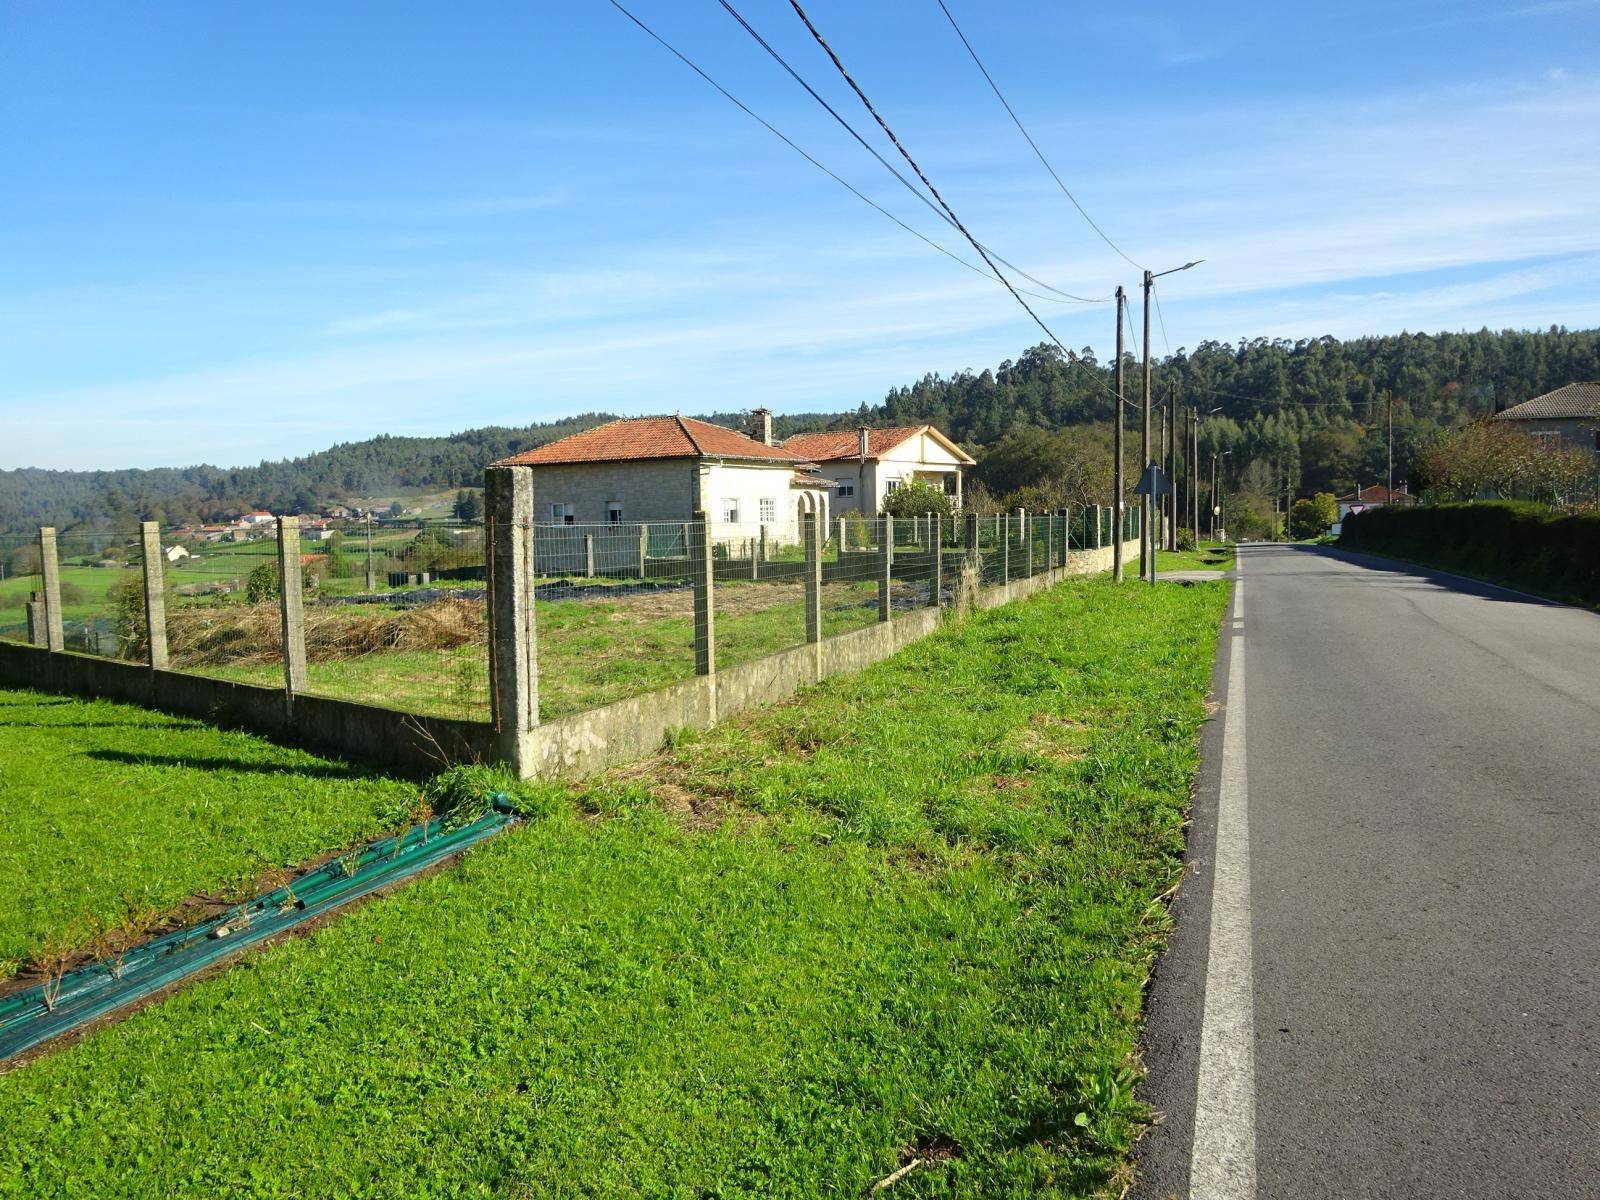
(907, 917)
(110, 813)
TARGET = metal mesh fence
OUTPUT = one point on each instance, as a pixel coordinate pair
(221, 592)
(20, 581)
(760, 597)
(614, 611)
(102, 592)
(396, 614)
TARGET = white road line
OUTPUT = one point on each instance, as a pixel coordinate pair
(1222, 1163)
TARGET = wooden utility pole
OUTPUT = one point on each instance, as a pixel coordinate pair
(1117, 484)
(1213, 496)
(1387, 498)
(1147, 548)
(1171, 424)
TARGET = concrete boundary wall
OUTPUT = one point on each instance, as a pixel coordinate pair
(566, 748)
(382, 736)
(588, 742)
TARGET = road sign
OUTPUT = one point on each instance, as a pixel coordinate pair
(1152, 482)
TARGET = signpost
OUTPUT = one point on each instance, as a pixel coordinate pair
(1153, 483)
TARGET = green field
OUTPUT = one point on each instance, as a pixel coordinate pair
(106, 810)
(908, 916)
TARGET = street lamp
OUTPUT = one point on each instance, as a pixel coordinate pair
(1216, 509)
(1146, 538)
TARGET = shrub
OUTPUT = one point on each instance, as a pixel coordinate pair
(1314, 517)
(1186, 539)
(1515, 542)
(915, 498)
(262, 585)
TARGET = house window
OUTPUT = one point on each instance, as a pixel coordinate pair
(562, 514)
(950, 484)
(613, 513)
(730, 512)
(847, 489)
(769, 511)
(892, 486)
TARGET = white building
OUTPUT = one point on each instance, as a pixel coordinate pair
(175, 554)
(868, 464)
(661, 469)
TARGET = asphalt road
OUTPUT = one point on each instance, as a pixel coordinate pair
(1398, 916)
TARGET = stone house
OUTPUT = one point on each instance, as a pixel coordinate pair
(1571, 413)
(665, 469)
(866, 465)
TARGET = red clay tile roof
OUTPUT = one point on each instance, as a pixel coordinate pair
(846, 443)
(651, 437)
(1574, 400)
(1378, 494)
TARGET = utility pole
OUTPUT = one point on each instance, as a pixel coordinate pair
(1116, 465)
(1213, 496)
(1172, 464)
(1194, 470)
(1147, 548)
(1387, 498)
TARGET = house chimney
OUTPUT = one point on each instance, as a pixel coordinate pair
(761, 426)
(861, 441)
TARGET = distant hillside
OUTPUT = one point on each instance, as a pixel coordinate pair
(30, 497)
(1294, 416)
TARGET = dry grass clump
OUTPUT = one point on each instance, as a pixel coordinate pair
(236, 634)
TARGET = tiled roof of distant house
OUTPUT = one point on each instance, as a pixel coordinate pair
(846, 443)
(1574, 400)
(635, 438)
(1378, 494)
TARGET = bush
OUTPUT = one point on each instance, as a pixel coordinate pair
(1314, 517)
(914, 498)
(1186, 540)
(1517, 543)
(262, 584)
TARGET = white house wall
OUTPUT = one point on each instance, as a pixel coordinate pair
(667, 490)
(920, 453)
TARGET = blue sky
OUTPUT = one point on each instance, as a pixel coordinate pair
(231, 232)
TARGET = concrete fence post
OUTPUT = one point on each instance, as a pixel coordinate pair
(842, 529)
(36, 636)
(811, 534)
(885, 567)
(155, 595)
(1025, 532)
(763, 548)
(588, 556)
(50, 573)
(513, 630)
(970, 534)
(1050, 541)
(702, 581)
(936, 572)
(644, 549)
(291, 606)
(1002, 528)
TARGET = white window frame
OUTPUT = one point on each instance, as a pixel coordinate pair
(768, 508)
(562, 514)
(613, 512)
(730, 511)
(847, 490)
(890, 486)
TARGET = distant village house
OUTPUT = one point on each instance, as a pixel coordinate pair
(648, 469)
(1570, 413)
(867, 465)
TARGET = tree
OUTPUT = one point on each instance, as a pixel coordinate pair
(916, 498)
(397, 509)
(262, 585)
(1314, 517)
(468, 506)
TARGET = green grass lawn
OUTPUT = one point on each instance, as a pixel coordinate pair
(107, 809)
(909, 915)
(1204, 557)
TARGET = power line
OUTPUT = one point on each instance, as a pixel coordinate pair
(887, 165)
(778, 133)
(1156, 297)
(1017, 121)
(928, 183)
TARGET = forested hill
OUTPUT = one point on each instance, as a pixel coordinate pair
(1313, 410)
(377, 466)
